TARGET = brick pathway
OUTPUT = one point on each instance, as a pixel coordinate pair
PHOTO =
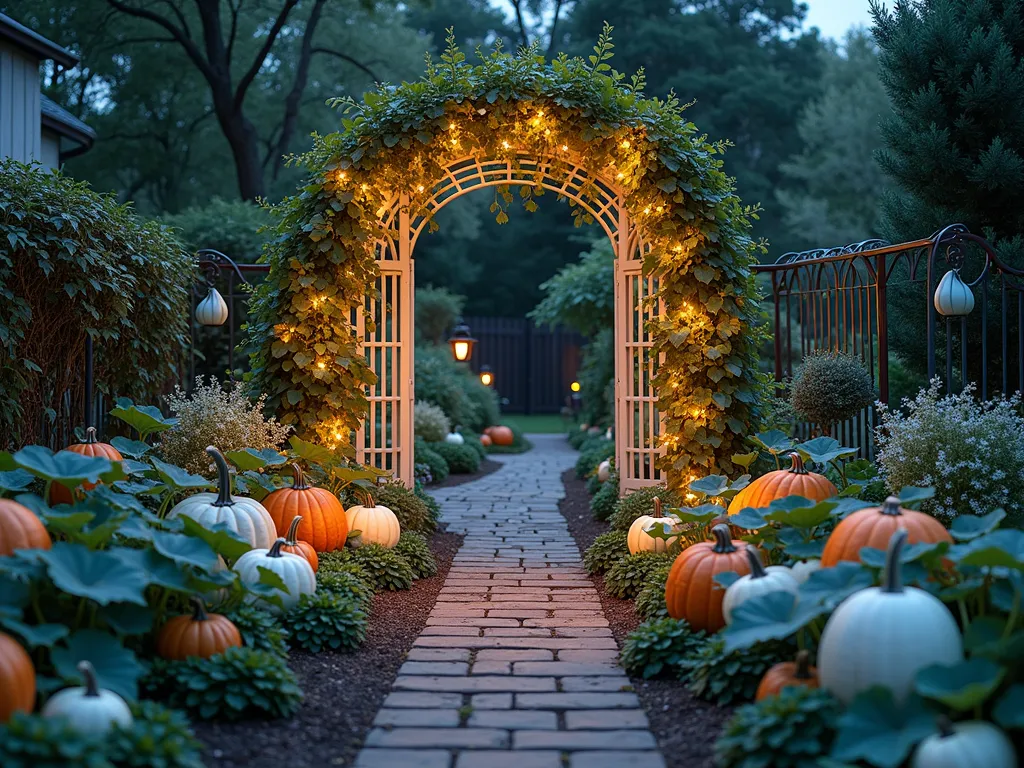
(517, 666)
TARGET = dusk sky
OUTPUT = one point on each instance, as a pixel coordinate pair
(834, 17)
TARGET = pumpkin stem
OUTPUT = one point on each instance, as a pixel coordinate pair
(892, 506)
(291, 538)
(803, 665)
(797, 468)
(657, 507)
(92, 688)
(198, 608)
(945, 726)
(757, 570)
(90, 436)
(723, 540)
(892, 576)
(223, 478)
(368, 499)
(300, 483)
(275, 548)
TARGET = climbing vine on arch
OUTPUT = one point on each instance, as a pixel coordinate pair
(401, 139)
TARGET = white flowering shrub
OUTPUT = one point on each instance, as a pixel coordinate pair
(972, 452)
(429, 422)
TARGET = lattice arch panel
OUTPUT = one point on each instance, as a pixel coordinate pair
(386, 438)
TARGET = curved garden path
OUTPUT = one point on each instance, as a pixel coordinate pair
(517, 666)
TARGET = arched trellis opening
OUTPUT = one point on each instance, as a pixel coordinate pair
(385, 439)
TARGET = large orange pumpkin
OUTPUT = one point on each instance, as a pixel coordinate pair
(691, 591)
(786, 675)
(323, 517)
(795, 481)
(20, 528)
(298, 547)
(91, 447)
(202, 634)
(17, 679)
(874, 527)
(501, 435)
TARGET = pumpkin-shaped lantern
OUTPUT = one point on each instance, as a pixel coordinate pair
(758, 582)
(323, 525)
(795, 481)
(953, 297)
(59, 494)
(20, 528)
(17, 679)
(874, 527)
(295, 546)
(638, 540)
(246, 517)
(971, 744)
(212, 310)
(691, 591)
(89, 709)
(295, 571)
(886, 635)
(202, 634)
(788, 674)
(379, 525)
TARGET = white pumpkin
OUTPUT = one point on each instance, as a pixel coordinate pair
(377, 525)
(638, 540)
(294, 570)
(454, 438)
(802, 570)
(604, 471)
(608, 434)
(953, 297)
(973, 744)
(90, 710)
(886, 635)
(212, 310)
(246, 517)
(758, 582)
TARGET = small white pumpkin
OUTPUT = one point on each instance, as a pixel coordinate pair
(379, 525)
(608, 434)
(604, 471)
(212, 310)
(638, 540)
(758, 582)
(294, 570)
(973, 744)
(246, 517)
(454, 438)
(803, 569)
(886, 635)
(89, 709)
(953, 297)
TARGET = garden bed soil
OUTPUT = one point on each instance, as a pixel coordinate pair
(343, 691)
(487, 466)
(685, 726)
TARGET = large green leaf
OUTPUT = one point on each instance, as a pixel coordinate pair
(144, 419)
(1009, 710)
(135, 449)
(64, 467)
(310, 452)
(999, 548)
(16, 480)
(710, 485)
(99, 576)
(35, 635)
(846, 506)
(828, 587)
(962, 686)
(967, 527)
(116, 667)
(774, 441)
(104, 520)
(224, 541)
(177, 478)
(799, 512)
(250, 458)
(911, 496)
(127, 619)
(136, 469)
(928, 552)
(185, 550)
(822, 450)
(875, 729)
(771, 616)
(748, 519)
(701, 514)
(153, 568)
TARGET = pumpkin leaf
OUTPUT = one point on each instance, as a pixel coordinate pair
(16, 480)
(961, 686)
(1009, 710)
(269, 578)
(310, 452)
(127, 619)
(153, 568)
(710, 485)
(998, 548)
(967, 527)
(65, 467)
(875, 558)
(727, 578)
(185, 550)
(748, 518)
(771, 616)
(116, 667)
(656, 530)
(745, 459)
(37, 635)
(877, 730)
(135, 468)
(822, 450)
(144, 419)
(251, 459)
(704, 513)
(805, 550)
(846, 506)
(135, 449)
(800, 512)
(100, 576)
(774, 441)
(99, 528)
(828, 587)
(911, 496)
(177, 478)
(221, 539)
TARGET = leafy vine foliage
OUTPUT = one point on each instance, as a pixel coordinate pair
(399, 144)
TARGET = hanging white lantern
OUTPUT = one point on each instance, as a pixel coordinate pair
(212, 310)
(953, 297)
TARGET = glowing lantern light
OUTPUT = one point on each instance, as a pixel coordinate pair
(486, 376)
(461, 342)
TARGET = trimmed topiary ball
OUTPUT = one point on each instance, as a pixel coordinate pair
(602, 504)
(326, 620)
(650, 600)
(385, 568)
(831, 387)
(629, 574)
(607, 549)
(639, 503)
(659, 646)
(416, 550)
(462, 459)
(412, 513)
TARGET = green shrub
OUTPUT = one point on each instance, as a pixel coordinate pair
(412, 513)
(659, 646)
(414, 548)
(429, 422)
(639, 503)
(438, 466)
(431, 503)
(592, 454)
(485, 404)
(28, 741)
(385, 568)
(791, 730)
(341, 561)
(629, 574)
(159, 738)
(597, 377)
(607, 549)
(462, 459)
(347, 585)
(593, 485)
(726, 678)
(650, 600)
(437, 311)
(577, 437)
(259, 629)
(473, 441)
(229, 226)
(239, 684)
(326, 620)
(831, 387)
(123, 280)
(454, 388)
(602, 504)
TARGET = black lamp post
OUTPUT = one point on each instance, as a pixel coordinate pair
(461, 342)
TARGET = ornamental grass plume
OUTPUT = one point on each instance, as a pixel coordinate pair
(218, 416)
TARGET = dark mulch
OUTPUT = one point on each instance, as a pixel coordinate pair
(685, 727)
(487, 466)
(343, 690)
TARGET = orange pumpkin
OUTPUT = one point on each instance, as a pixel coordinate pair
(691, 591)
(875, 526)
(795, 481)
(485, 440)
(91, 447)
(17, 679)
(786, 675)
(20, 528)
(298, 547)
(323, 517)
(202, 634)
(501, 435)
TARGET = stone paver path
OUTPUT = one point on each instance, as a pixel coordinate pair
(517, 666)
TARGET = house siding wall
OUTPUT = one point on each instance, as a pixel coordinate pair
(50, 154)
(20, 134)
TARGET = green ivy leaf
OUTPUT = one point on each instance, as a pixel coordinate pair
(967, 527)
(874, 728)
(961, 686)
(99, 576)
(116, 667)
